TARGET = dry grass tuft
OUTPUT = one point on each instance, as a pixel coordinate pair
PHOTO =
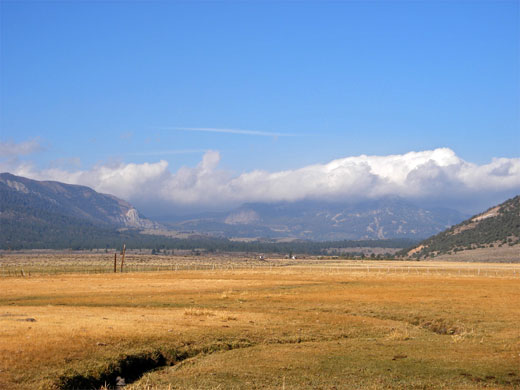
(226, 294)
(399, 334)
(197, 312)
(462, 334)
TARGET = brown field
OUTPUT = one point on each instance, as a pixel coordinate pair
(245, 324)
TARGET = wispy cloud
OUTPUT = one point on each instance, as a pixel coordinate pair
(167, 152)
(231, 131)
(10, 149)
(126, 135)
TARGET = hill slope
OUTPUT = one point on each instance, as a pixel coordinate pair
(496, 227)
(21, 195)
(45, 214)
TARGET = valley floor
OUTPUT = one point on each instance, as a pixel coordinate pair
(329, 325)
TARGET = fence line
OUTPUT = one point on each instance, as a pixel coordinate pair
(28, 270)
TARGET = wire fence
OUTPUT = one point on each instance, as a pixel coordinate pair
(27, 267)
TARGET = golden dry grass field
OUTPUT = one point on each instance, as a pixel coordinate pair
(276, 325)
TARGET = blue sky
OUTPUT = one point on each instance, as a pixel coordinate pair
(100, 83)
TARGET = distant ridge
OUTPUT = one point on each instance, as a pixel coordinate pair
(497, 227)
(18, 193)
(377, 219)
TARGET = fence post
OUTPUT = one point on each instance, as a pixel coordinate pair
(123, 258)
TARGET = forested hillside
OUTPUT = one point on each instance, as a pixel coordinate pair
(30, 198)
(496, 227)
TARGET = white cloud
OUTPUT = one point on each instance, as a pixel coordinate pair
(433, 174)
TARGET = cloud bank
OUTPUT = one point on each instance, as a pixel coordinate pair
(432, 174)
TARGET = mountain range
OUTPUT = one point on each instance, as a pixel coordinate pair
(41, 210)
(385, 218)
(45, 205)
(49, 214)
